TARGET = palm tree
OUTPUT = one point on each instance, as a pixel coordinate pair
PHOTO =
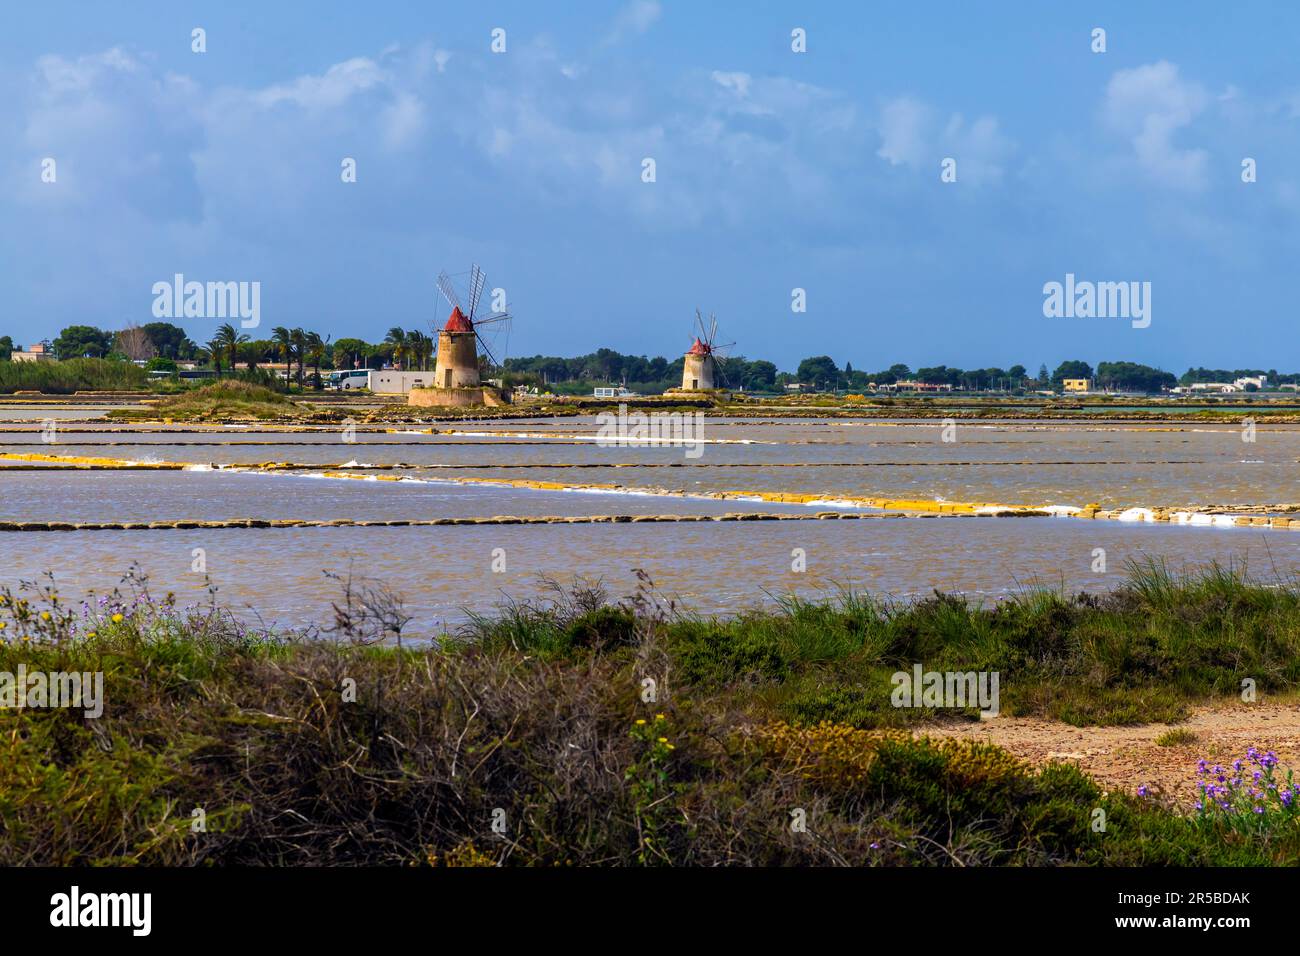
(300, 349)
(430, 345)
(316, 350)
(229, 340)
(214, 355)
(419, 346)
(397, 338)
(283, 340)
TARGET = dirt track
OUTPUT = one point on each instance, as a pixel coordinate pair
(1126, 757)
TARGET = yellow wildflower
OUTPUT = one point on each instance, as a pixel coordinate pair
(117, 618)
(640, 723)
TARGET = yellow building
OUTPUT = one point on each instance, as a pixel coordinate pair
(1077, 384)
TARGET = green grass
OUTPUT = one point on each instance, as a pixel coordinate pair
(1143, 653)
(330, 749)
(73, 375)
(222, 400)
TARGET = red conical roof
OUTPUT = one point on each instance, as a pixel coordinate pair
(699, 348)
(457, 322)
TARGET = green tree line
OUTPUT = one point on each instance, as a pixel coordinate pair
(164, 344)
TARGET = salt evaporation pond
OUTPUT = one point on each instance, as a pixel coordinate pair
(443, 572)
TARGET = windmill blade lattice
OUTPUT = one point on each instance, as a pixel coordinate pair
(490, 331)
(449, 290)
(476, 282)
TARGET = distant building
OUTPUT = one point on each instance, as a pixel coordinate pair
(1260, 382)
(40, 352)
(1224, 388)
(1077, 384)
(916, 387)
(395, 382)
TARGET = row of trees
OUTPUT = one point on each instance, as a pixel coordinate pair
(1193, 375)
(637, 372)
(164, 344)
(1131, 377)
(822, 372)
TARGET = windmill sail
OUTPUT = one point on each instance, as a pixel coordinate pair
(476, 282)
(491, 330)
(449, 290)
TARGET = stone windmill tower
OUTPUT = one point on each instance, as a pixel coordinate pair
(455, 372)
(701, 365)
(461, 338)
(457, 364)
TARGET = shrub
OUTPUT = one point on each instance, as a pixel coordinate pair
(72, 375)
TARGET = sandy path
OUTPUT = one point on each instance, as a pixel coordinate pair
(1126, 757)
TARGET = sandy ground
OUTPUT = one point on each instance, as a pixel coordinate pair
(1126, 757)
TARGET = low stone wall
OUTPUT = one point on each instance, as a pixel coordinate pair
(189, 524)
(455, 397)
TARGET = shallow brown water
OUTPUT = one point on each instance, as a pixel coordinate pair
(711, 567)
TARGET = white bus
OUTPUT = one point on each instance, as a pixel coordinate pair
(350, 378)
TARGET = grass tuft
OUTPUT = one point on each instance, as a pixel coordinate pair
(298, 751)
(73, 375)
(223, 400)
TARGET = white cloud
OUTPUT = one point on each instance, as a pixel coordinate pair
(738, 83)
(911, 135)
(403, 119)
(634, 19)
(328, 90)
(92, 115)
(903, 122)
(1149, 105)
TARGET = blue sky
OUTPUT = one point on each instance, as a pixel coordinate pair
(774, 170)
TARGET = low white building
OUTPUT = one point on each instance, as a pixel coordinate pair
(1224, 388)
(391, 381)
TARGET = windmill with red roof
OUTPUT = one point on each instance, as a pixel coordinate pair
(702, 363)
(464, 334)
